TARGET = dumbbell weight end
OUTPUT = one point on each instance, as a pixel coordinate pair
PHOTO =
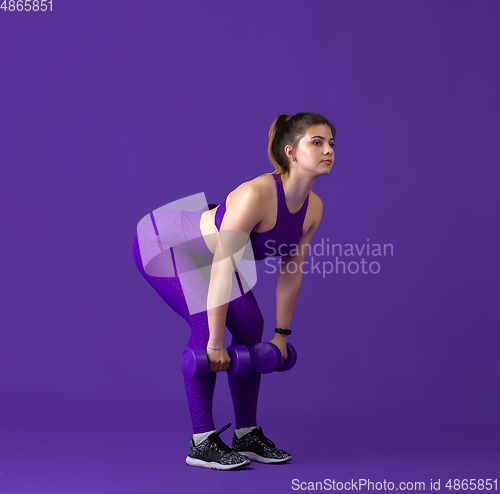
(194, 362)
(240, 360)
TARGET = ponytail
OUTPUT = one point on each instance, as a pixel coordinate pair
(276, 152)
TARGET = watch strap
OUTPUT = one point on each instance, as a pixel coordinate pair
(283, 331)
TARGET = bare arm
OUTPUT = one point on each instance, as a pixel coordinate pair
(290, 280)
(243, 214)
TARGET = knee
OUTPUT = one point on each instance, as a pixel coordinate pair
(260, 328)
(256, 329)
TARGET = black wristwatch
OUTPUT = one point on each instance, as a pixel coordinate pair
(283, 331)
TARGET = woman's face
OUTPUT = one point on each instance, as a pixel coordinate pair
(314, 148)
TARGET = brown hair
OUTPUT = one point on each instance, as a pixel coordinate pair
(287, 130)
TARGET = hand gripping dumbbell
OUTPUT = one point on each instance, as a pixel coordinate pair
(263, 358)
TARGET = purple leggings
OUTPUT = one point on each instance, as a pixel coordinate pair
(244, 321)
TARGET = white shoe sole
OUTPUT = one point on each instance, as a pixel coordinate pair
(262, 459)
(194, 462)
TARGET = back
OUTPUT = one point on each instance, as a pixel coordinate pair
(287, 230)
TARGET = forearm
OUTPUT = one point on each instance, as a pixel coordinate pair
(217, 325)
(287, 291)
(219, 292)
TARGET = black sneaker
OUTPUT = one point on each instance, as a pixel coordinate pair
(214, 453)
(259, 448)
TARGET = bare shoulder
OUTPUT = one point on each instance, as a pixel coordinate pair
(255, 191)
(265, 183)
(245, 207)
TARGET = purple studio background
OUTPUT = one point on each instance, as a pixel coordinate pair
(112, 109)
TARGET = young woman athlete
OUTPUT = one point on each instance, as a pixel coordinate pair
(277, 213)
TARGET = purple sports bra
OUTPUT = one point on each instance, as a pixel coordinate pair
(286, 231)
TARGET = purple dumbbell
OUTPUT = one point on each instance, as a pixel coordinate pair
(262, 358)
(194, 361)
(240, 360)
(266, 358)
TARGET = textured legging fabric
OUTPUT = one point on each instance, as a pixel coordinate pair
(244, 321)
